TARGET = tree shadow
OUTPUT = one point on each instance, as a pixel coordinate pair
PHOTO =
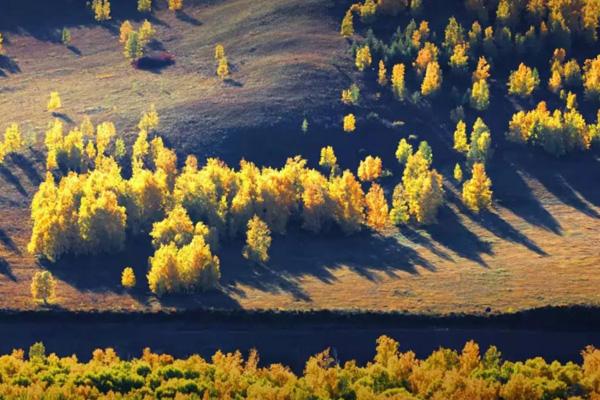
(512, 192)
(452, 234)
(300, 254)
(233, 82)
(27, 167)
(63, 117)
(13, 180)
(6, 270)
(7, 241)
(74, 50)
(8, 65)
(185, 17)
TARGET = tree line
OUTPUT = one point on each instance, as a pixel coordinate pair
(445, 374)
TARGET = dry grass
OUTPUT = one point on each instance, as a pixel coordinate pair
(540, 246)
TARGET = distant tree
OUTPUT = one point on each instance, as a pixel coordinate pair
(480, 142)
(403, 151)
(433, 79)
(400, 213)
(363, 58)
(101, 222)
(458, 174)
(523, 81)
(477, 193)
(482, 72)
(370, 169)
(304, 126)
(349, 123)
(219, 52)
(133, 47)
(258, 241)
(382, 74)
(101, 9)
(128, 278)
(65, 36)
(460, 137)
(124, 31)
(163, 276)
(347, 202)
(351, 95)
(54, 104)
(347, 28)
(1, 44)
(223, 68)
(144, 5)
(328, 159)
(37, 352)
(398, 84)
(150, 120)
(459, 60)
(453, 35)
(427, 54)
(43, 286)
(426, 151)
(480, 95)
(572, 73)
(377, 208)
(175, 5)
(13, 140)
(591, 78)
(146, 33)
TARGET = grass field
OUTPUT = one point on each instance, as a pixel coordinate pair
(540, 246)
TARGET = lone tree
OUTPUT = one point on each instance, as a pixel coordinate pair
(43, 286)
(175, 5)
(223, 68)
(144, 5)
(133, 47)
(66, 37)
(128, 278)
(477, 192)
(54, 104)
(349, 123)
(258, 241)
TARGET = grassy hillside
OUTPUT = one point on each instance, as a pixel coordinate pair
(538, 247)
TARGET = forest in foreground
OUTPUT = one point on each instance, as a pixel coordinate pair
(392, 374)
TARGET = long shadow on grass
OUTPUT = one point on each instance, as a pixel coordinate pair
(302, 255)
(12, 179)
(28, 168)
(6, 270)
(7, 242)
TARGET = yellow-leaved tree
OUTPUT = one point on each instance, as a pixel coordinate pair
(175, 5)
(223, 68)
(377, 208)
(460, 137)
(363, 58)
(523, 81)
(43, 286)
(258, 241)
(347, 28)
(347, 202)
(144, 5)
(124, 31)
(398, 84)
(382, 74)
(349, 123)
(328, 159)
(477, 192)
(54, 104)
(128, 278)
(101, 9)
(370, 169)
(432, 82)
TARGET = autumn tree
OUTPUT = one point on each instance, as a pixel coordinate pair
(400, 213)
(328, 159)
(480, 142)
(223, 68)
(351, 95)
(377, 208)
(460, 137)
(124, 31)
(315, 201)
(1, 44)
(219, 52)
(363, 58)
(54, 104)
(347, 28)
(432, 82)
(128, 278)
(65, 36)
(523, 81)
(175, 5)
(458, 174)
(349, 123)
(482, 72)
(459, 60)
(382, 74)
(403, 151)
(144, 5)
(427, 54)
(101, 9)
(398, 83)
(177, 228)
(347, 202)
(43, 286)
(477, 193)
(258, 241)
(370, 169)
(480, 95)
(591, 78)
(146, 33)
(13, 141)
(133, 49)
(150, 120)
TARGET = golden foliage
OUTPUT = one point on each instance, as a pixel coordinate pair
(349, 123)
(377, 208)
(370, 169)
(523, 81)
(124, 31)
(101, 9)
(175, 5)
(363, 58)
(382, 74)
(347, 28)
(128, 278)
(54, 103)
(433, 79)
(477, 193)
(258, 241)
(398, 84)
(43, 286)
